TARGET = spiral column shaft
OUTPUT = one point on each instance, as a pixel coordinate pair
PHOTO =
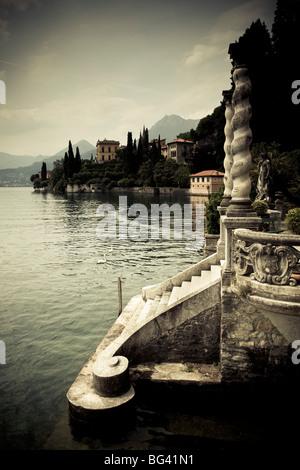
(242, 138)
(228, 160)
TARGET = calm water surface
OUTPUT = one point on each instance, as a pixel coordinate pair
(57, 303)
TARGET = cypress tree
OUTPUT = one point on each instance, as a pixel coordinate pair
(129, 157)
(71, 160)
(77, 161)
(44, 172)
(139, 157)
(66, 166)
(159, 148)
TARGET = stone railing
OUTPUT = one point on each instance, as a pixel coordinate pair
(267, 258)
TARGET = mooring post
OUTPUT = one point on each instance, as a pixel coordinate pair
(120, 294)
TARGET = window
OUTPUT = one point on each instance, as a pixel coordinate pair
(102, 149)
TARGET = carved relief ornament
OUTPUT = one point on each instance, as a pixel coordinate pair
(266, 263)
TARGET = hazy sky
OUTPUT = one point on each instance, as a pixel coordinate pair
(88, 69)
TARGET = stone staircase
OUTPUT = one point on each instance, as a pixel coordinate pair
(172, 295)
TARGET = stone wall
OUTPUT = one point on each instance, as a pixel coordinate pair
(189, 332)
(196, 340)
(253, 349)
(98, 188)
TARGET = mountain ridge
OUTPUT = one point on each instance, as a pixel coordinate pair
(170, 126)
(23, 161)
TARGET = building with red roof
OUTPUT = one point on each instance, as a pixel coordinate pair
(180, 149)
(206, 182)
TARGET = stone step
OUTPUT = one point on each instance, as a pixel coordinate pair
(155, 305)
(215, 271)
(196, 283)
(205, 276)
(163, 302)
(145, 311)
(185, 289)
(174, 295)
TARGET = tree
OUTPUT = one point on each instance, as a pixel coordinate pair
(154, 154)
(66, 166)
(57, 174)
(139, 155)
(182, 176)
(129, 156)
(44, 172)
(145, 140)
(164, 172)
(256, 51)
(212, 215)
(145, 174)
(286, 36)
(210, 132)
(34, 177)
(71, 160)
(77, 163)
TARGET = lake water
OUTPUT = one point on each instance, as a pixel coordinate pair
(56, 305)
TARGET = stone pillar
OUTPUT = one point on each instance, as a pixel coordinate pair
(239, 213)
(228, 131)
(228, 160)
(240, 204)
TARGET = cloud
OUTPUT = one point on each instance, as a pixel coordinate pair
(201, 53)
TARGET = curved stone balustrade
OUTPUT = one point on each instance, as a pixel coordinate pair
(267, 258)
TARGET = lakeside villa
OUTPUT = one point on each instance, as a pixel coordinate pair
(206, 182)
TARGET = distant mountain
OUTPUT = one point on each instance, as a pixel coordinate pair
(169, 127)
(14, 161)
(8, 160)
(20, 176)
(84, 147)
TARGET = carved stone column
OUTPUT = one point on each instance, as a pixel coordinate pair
(239, 213)
(228, 131)
(228, 160)
(240, 204)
